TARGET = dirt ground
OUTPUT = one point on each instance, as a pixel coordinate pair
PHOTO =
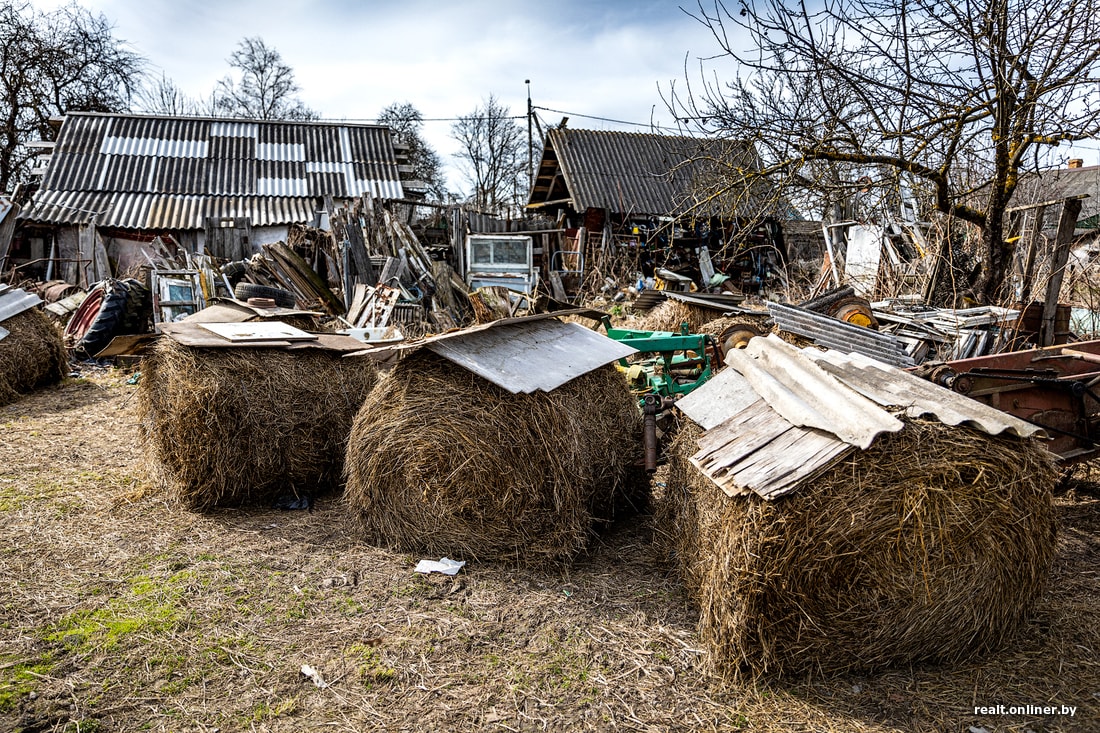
(122, 612)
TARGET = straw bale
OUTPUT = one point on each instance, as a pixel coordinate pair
(226, 427)
(31, 356)
(930, 546)
(668, 316)
(443, 462)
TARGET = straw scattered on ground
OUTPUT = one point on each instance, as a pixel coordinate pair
(120, 611)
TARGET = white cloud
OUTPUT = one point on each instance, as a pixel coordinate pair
(352, 59)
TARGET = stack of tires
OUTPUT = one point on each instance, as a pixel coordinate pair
(112, 308)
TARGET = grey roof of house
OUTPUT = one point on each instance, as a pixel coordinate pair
(642, 173)
(145, 172)
(1059, 183)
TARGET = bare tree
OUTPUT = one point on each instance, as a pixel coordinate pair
(51, 63)
(493, 155)
(163, 97)
(406, 122)
(961, 97)
(264, 88)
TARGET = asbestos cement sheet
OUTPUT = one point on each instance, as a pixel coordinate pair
(897, 389)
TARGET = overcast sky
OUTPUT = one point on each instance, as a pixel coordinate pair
(604, 58)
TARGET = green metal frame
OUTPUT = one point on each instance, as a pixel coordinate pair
(665, 359)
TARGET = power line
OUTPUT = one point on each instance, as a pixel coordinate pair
(593, 117)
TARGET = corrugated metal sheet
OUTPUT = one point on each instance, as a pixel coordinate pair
(166, 211)
(14, 301)
(525, 354)
(836, 334)
(814, 407)
(529, 357)
(640, 173)
(136, 170)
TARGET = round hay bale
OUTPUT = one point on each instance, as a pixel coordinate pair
(928, 547)
(226, 427)
(32, 355)
(671, 313)
(443, 462)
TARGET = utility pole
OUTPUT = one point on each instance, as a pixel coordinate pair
(530, 141)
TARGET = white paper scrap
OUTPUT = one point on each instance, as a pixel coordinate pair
(444, 565)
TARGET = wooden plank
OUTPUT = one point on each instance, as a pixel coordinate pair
(556, 287)
(304, 276)
(7, 229)
(1067, 222)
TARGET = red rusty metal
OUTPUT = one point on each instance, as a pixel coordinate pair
(84, 317)
(1057, 387)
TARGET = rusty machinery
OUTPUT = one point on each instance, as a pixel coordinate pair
(1056, 388)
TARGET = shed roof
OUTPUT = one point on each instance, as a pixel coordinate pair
(147, 172)
(1061, 183)
(641, 173)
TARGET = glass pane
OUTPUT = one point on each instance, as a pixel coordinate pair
(511, 252)
(482, 252)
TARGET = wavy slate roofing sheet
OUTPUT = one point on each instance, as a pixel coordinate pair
(639, 173)
(144, 172)
(815, 407)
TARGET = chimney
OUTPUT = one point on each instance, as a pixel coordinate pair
(1076, 162)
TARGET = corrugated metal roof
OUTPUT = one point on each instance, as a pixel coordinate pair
(639, 173)
(1051, 185)
(147, 166)
(153, 211)
(836, 334)
(779, 416)
(525, 354)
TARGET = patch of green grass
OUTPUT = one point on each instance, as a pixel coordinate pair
(15, 494)
(19, 680)
(372, 668)
(264, 710)
(147, 605)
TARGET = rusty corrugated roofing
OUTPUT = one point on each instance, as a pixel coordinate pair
(642, 173)
(147, 172)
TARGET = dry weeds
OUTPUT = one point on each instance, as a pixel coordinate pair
(119, 612)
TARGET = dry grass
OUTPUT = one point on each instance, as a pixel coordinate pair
(120, 611)
(442, 461)
(31, 356)
(668, 316)
(225, 427)
(931, 546)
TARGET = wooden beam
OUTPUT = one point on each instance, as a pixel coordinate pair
(1071, 209)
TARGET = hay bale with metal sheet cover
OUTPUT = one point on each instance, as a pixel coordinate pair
(443, 462)
(233, 426)
(930, 546)
(31, 355)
